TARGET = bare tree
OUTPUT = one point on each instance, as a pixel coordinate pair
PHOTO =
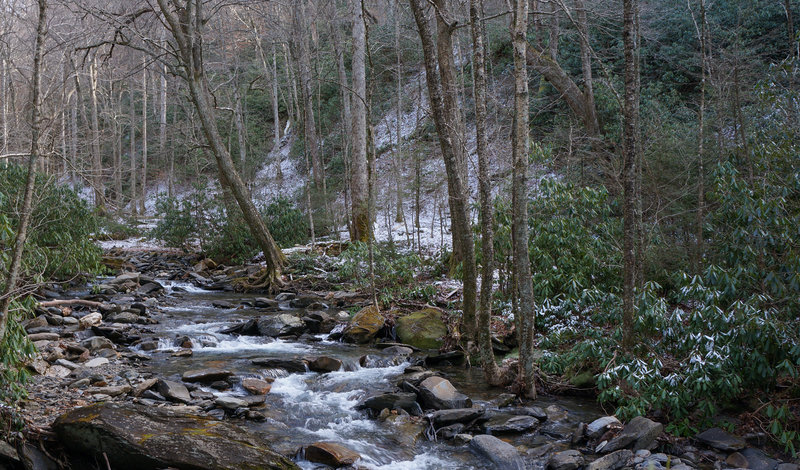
(185, 22)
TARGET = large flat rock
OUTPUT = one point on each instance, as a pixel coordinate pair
(136, 437)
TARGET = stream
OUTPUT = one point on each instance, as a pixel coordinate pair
(303, 408)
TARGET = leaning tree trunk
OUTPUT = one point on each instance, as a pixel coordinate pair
(447, 118)
(27, 200)
(186, 31)
(484, 333)
(361, 224)
(519, 151)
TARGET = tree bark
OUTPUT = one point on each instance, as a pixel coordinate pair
(12, 278)
(185, 25)
(361, 224)
(449, 127)
(484, 324)
(132, 131)
(630, 149)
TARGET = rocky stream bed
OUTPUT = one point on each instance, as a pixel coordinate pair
(164, 366)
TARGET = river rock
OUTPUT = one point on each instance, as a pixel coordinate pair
(230, 403)
(136, 437)
(306, 301)
(111, 391)
(289, 365)
(565, 460)
(737, 460)
(43, 337)
(124, 317)
(248, 328)
(57, 371)
(392, 401)
(507, 423)
(280, 325)
(612, 461)
(325, 364)
(363, 326)
(125, 278)
(502, 454)
(263, 302)
(460, 415)
(639, 433)
(36, 322)
(423, 329)
(599, 426)
(96, 362)
(90, 320)
(173, 391)
(256, 386)
(721, 440)
(223, 304)
(758, 460)
(331, 454)
(97, 342)
(205, 375)
(439, 394)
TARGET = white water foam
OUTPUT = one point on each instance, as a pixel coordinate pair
(253, 343)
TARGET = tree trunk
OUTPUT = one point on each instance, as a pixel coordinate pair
(449, 127)
(399, 213)
(97, 162)
(188, 37)
(143, 194)
(9, 290)
(162, 125)
(241, 132)
(361, 224)
(301, 50)
(519, 190)
(630, 149)
(589, 108)
(132, 131)
(276, 119)
(484, 326)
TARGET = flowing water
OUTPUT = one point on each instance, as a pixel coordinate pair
(303, 408)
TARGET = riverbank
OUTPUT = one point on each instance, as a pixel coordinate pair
(169, 341)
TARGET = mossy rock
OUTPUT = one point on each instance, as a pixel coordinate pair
(424, 329)
(583, 380)
(364, 325)
(144, 438)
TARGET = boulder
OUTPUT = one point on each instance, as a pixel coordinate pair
(263, 302)
(248, 328)
(136, 437)
(439, 394)
(737, 460)
(363, 326)
(502, 454)
(565, 460)
(205, 375)
(124, 317)
(43, 337)
(124, 278)
(423, 329)
(222, 304)
(280, 325)
(507, 423)
(325, 364)
(331, 454)
(36, 322)
(612, 461)
(599, 426)
(173, 391)
(720, 440)
(639, 433)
